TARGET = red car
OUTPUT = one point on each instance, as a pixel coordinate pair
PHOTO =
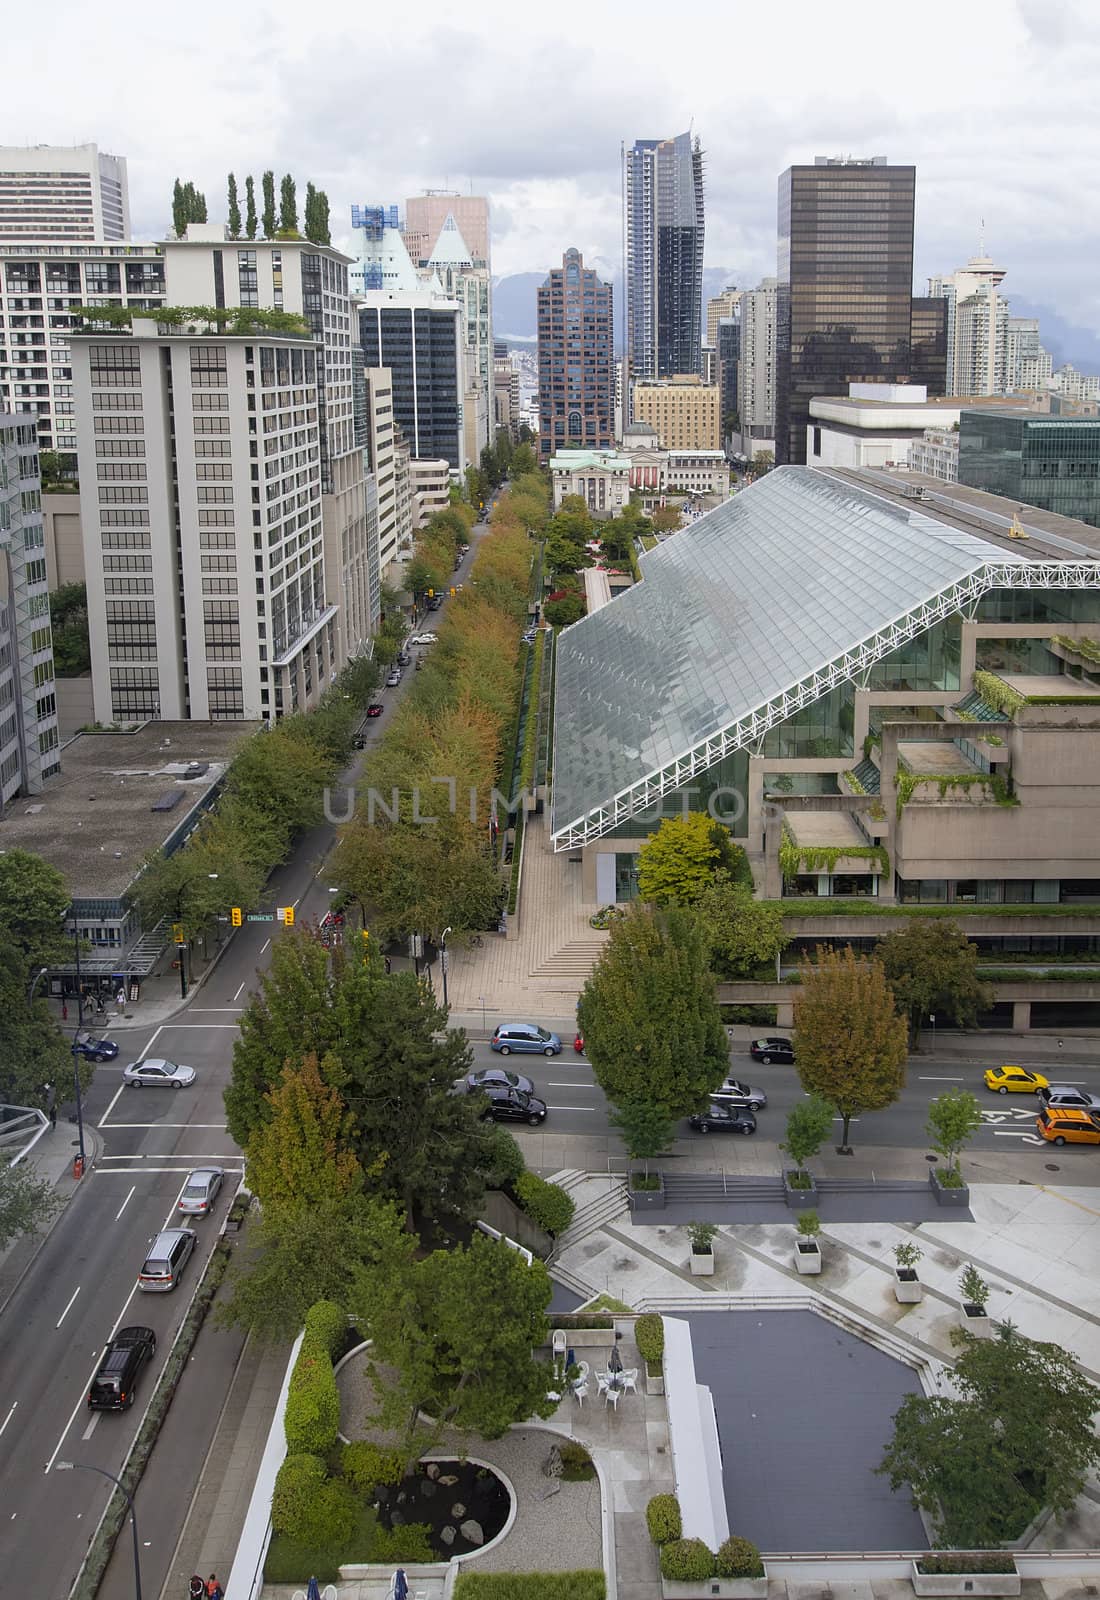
(578, 1044)
(375, 709)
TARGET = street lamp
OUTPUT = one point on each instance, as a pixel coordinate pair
(80, 1466)
(443, 962)
(76, 1035)
(35, 981)
(182, 945)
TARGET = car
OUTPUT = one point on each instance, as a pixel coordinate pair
(168, 1254)
(424, 638)
(393, 678)
(513, 1105)
(113, 1385)
(158, 1073)
(1017, 1080)
(1067, 1094)
(742, 1093)
(1068, 1125)
(403, 657)
(200, 1191)
(767, 1050)
(93, 1049)
(497, 1077)
(723, 1117)
(525, 1037)
(435, 602)
(375, 709)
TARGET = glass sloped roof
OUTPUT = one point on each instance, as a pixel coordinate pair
(760, 594)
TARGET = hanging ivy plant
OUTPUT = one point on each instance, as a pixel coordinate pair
(993, 785)
(998, 694)
(807, 858)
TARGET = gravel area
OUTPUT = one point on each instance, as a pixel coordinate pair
(555, 1529)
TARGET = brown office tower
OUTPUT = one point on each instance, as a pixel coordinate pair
(576, 362)
(845, 270)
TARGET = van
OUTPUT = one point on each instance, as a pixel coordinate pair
(168, 1255)
(1068, 1125)
(113, 1385)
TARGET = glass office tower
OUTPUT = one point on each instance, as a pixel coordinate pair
(1052, 462)
(845, 270)
(663, 235)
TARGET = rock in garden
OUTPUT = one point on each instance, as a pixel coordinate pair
(396, 1519)
(432, 1469)
(402, 1497)
(471, 1532)
(448, 1478)
(448, 1535)
(458, 1511)
(427, 1489)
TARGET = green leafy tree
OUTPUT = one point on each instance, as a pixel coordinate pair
(666, 519)
(458, 1331)
(288, 205)
(56, 479)
(745, 934)
(953, 1119)
(302, 1155)
(808, 1125)
(932, 966)
(648, 1014)
(234, 208)
(850, 1041)
(566, 554)
(322, 234)
(282, 772)
(270, 220)
(763, 461)
(250, 221)
(562, 613)
(421, 878)
(33, 1051)
(646, 1129)
(311, 212)
(1019, 1437)
(681, 860)
(26, 1203)
(179, 209)
(34, 900)
(72, 652)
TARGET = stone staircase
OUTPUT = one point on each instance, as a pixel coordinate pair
(593, 1215)
(699, 1188)
(573, 960)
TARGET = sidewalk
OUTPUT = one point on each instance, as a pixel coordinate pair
(52, 1161)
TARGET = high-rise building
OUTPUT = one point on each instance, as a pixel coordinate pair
(719, 309)
(1022, 344)
(28, 707)
(685, 413)
(663, 226)
(576, 359)
(467, 282)
(845, 292)
(417, 335)
(381, 447)
(426, 214)
(505, 391)
(729, 360)
(62, 192)
(928, 364)
(1037, 460)
(970, 357)
(756, 364)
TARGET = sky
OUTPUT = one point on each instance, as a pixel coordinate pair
(994, 101)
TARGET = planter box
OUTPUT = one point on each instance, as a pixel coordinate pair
(976, 1321)
(587, 1338)
(945, 1196)
(654, 1382)
(723, 1588)
(648, 1199)
(807, 1257)
(952, 1583)
(908, 1289)
(702, 1263)
(800, 1199)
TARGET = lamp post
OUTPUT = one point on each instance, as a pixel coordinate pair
(932, 1020)
(181, 944)
(443, 962)
(35, 981)
(76, 1054)
(80, 1466)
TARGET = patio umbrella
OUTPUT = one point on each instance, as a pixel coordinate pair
(614, 1360)
(313, 1591)
(400, 1588)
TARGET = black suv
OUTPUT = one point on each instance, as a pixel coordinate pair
(513, 1105)
(723, 1118)
(113, 1385)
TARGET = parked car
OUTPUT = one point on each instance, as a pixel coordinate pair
(1067, 1094)
(113, 1385)
(393, 678)
(1068, 1125)
(513, 1105)
(158, 1073)
(168, 1254)
(741, 1093)
(424, 638)
(525, 1037)
(435, 602)
(1015, 1080)
(200, 1191)
(773, 1049)
(723, 1117)
(403, 657)
(497, 1077)
(93, 1049)
(375, 709)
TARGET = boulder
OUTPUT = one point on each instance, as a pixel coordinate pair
(448, 1535)
(432, 1469)
(472, 1533)
(458, 1511)
(448, 1478)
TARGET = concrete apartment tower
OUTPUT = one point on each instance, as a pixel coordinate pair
(845, 285)
(756, 368)
(663, 231)
(977, 326)
(466, 281)
(576, 360)
(66, 193)
(28, 707)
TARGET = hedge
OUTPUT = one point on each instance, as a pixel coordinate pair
(583, 1585)
(687, 1561)
(663, 1519)
(310, 1506)
(367, 1465)
(545, 1203)
(989, 1561)
(649, 1336)
(738, 1558)
(326, 1327)
(312, 1418)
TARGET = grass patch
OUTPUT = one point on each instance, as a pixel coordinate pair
(585, 1585)
(608, 1302)
(294, 1561)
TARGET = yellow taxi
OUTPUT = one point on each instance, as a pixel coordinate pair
(1015, 1080)
(1068, 1125)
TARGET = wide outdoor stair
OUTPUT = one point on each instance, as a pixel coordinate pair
(569, 1178)
(588, 1218)
(573, 960)
(141, 956)
(571, 1280)
(690, 1188)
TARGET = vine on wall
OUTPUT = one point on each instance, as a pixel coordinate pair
(993, 785)
(798, 858)
(998, 694)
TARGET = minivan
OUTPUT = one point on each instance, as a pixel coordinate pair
(168, 1255)
(525, 1036)
(1068, 1125)
(113, 1385)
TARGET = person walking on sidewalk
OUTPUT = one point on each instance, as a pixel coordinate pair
(213, 1588)
(196, 1589)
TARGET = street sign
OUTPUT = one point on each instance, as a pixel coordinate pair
(261, 916)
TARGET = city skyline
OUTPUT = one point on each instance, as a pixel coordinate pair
(999, 131)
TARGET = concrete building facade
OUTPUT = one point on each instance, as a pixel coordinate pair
(426, 214)
(28, 703)
(685, 413)
(936, 454)
(756, 368)
(430, 488)
(720, 308)
(874, 425)
(975, 339)
(62, 192)
(600, 477)
(576, 390)
(465, 279)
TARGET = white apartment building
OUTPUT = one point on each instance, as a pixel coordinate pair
(936, 454)
(1021, 345)
(756, 367)
(28, 706)
(971, 360)
(1074, 385)
(719, 309)
(430, 486)
(466, 281)
(384, 449)
(62, 192)
(874, 425)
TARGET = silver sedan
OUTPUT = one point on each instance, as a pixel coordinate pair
(742, 1093)
(156, 1072)
(200, 1191)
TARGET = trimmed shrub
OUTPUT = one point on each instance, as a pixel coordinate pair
(326, 1327)
(312, 1417)
(365, 1465)
(300, 1478)
(408, 1542)
(663, 1519)
(503, 1163)
(687, 1561)
(576, 1463)
(649, 1336)
(738, 1558)
(989, 1561)
(531, 1586)
(545, 1203)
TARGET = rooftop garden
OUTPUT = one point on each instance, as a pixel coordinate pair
(231, 321)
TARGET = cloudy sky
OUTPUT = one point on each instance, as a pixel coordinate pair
(994, 100)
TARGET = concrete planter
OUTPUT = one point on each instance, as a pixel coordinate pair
(723, 1588)
(946, 1196)
(588, 1338)
(800, 1199)
(952, 1583)
(908, 1288)
(654, 1381)
(648, 1199)
(976, 1320)
(807, 1257)
(702, 1263)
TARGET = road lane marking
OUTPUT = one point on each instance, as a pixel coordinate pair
(264, 946)
(103, 1119)
(128, 1172)
(125, 1203)
(580, 1087)
(111, 1107)
(90, 1429)
(207, 1010)
(8, 1418)
(240, 991)
(591, 1110)
(1011, 1133)
(219, 1125)
(925, 1079)
(68, 1308)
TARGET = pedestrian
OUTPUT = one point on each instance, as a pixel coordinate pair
(213, 1588)
(197, 1589)
(120, 999)
(51, 1104)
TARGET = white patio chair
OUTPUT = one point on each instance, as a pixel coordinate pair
(329, 1592)
(602, 1381)
(629, 1380)
(580, 1390)
(611, 1396)
(583, 1369)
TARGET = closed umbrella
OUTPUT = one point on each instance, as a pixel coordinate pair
(313, 1591)
(400, 1585)
(614, 1360)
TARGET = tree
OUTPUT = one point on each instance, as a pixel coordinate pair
(666, 519)
(270, 221)
(808, 1125)
(234, 209)
(562, 613)
(322, 227)
(26, 1203)
(648, 1014)
(302, 1155)
(932, 966)
(34, 900)
(849, 1039)
(55, 479)
(288, 205)
(762, 462)
(179, 210)
(194, 204)
(33, 1051)
(681, 859)
(745, 934)
(646, 1129)
(72, 652)
(421, 879)
(1019, 1437)
(459, 1331)
(250, 207)
(953, 1119)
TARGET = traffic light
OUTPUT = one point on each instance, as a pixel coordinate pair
(177, 933)
(431, 594)
(235, 916)
(365, 935)
(288, 916)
